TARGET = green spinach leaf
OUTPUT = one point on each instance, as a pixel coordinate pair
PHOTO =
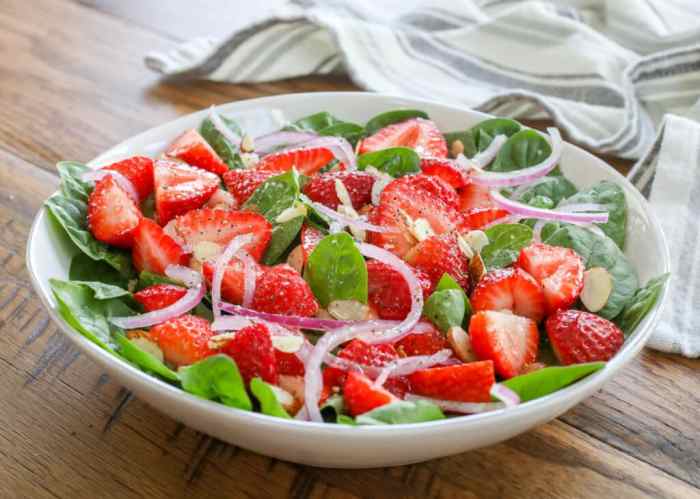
(84, 268)
(142, 359)
(400, 412)
(72, 186)
(505, 243)
(549, 379)
(268, 400)
(466, 140)
(216, 378)
(485, 131)
(396, 161)
(390, 117)
(612, 196)
(148, 279)
(445, 308)
(227, 151)
(324, 123)
(523, 149)
(640, 304)
(555, 188)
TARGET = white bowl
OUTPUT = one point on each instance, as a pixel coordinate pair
(330, 445)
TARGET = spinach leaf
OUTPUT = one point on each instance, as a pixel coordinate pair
(346, 420)
(484, 132)
(505, 243)
(556, 188)
(465, 138)
(79, 305)
(148, 279)
(390, 117)
(640, 305)
(402, 411)
(84, 268)
(325, 123)
(447, 282)
(611, 195)
(396, 161)
(268, 400)
(216, 378)
(600, 251)
(525, 148)
(445, 308)
(227, 151)
(142, 359)
(349, 131)
(72, 186)
(336, 270)
(549, 379)
(104, 291)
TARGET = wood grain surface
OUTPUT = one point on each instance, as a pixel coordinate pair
(72, 83)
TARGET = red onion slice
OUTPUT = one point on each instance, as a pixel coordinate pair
(459, 407)
(504, 394)
(409, 365)
(222, 128)
(272, 141)
(250, 276)
(528, 211)
(220, 268)
(343, 220)
(230, 323)
(485, 157)
(340, 148)
(121, 180)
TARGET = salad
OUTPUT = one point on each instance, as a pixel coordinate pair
(351, 274)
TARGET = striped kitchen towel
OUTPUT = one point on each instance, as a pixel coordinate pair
(606, 71)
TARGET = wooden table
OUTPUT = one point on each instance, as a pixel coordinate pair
(72, 83)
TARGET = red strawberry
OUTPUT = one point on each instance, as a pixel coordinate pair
(222, 200)
(220, 227)
(510, 341)
(361, 396)
(462, 382)
(191, 148)
(139, 171)
(421, 343)
(388, 290)
(154, 250)
(439, 255)
(413, 197)
(242, 183)
(288, 364)
(478, 218)
(253, 352)
(577, 336)
(310, 237)
(558, 270)
(282, 290)
(233, 282)
(322, 189)
(443, 168)
(510, 289)
(183, 340)
(159, 296)
(419, 134)
(111, 214)
(473, 196)
(306, 161)
(361, 353)
(181, 188)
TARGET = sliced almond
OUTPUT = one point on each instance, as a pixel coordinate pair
(342, 193)
(460, 343)
(219, 340)
(421, 229)
(349, 212)
(477, 239)
(287, 344)
(477, 269)
(249, 159)
(295, 259)
(205, 251)
(247, 144)
(348, 310)
(597, 286)
(464, 247)
(298, 210)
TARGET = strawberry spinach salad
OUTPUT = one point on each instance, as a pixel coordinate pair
(354, 274)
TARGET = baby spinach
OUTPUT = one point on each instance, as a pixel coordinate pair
(447, 282)
(445, 308)
(468, 146)
(613, 197)
(401, 412)
(227, 151)
(142, 359)
(336, 270)
(523, 149)
(505, 243)
(147, 279)
(600, 251)
(324, 123)
(640, 304)
(84, 268)
(390, 117)
(349, 131)
(396, 161)
(549, 379)
(72, 186)
(484, 132)
(555, 188)
(268, 400)
(216, 378)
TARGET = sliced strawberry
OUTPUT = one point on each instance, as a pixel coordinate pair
(191, 148)
(361, 353)
(462, 382)
(220, 227)
(558, 270)
(388, 290)
(282, 290)
(421, 343)
(361, 396)
(139, 171)
(473, 196)
(183, 340)
(288, 364)
(510, 341)
(322, 188)
(477, 218)
(445, 169)
(439, 255)
(233, 282)
(181, 188)
(111, 214)
(242, 183)
(222, 200)
(159, 296)
(419, 134)
(306, 161)
(509, 289)
(253, 352)
(310, 237)
(154, 250)
(577, 336)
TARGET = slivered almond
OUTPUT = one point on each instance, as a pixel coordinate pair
(597, 286)
(295, 259)
(287, 344)
(477, 269)
(464, 247)
(476, 239)
(349, 211)
(249, 159)
(348, 310)
(247, 144)
(342, 193)
(459, 341)
(219, 340)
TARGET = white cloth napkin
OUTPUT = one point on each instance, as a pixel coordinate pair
(608, 72)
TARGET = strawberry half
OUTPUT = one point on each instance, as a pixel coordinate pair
(321, 188)
(112, 215)
(306, 161)
(310, 237)
(462, 382)
(510, 341)
(558, 270)
(253, 352)
(477, 218)
(473, 196)
(242, 183)
(439, 255)
(181, 188)
(360, 395)
(509, 289)
(139, 171)
(220, 227)
(577, 336)
(159, 296)
(421, 343)
(419, 134)
(282, 290)
(154, 250)
(183, 340)
(289, 364)
(445, 170)
(191, 148)
(388, 291)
